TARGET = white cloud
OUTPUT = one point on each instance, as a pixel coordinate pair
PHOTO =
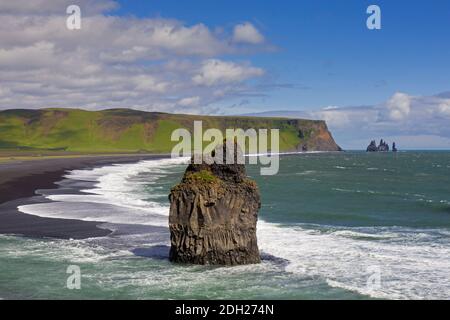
(247, 33)
(142, 63)
(149, 83)
(333, 117)
(115, 39)
(411, 121)
(399, 106)
(189, 101)
(444, 108)
(424, 122)
(55, 6)
(39, 54)
(215, 71)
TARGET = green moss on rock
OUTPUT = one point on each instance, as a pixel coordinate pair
(202, 176)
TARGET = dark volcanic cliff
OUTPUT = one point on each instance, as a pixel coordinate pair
(213, 215)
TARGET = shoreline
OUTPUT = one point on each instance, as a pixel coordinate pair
(20, 178)
(19, 181)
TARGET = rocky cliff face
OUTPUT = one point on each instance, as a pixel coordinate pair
(213, 215)
(314, 136)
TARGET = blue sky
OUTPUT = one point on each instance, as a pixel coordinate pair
(310, 59)
(325, 49)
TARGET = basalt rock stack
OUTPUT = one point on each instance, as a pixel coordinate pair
(213, 215)
(394, 147)
(382, 147)
(372, 147)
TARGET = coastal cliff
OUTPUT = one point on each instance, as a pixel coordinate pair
(315, 136)
(213, 215)
(126, 130)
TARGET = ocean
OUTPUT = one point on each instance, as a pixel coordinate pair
(346, 225)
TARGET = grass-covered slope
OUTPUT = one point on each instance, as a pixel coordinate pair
(125, 130)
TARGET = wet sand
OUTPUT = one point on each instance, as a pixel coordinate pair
(19, 180)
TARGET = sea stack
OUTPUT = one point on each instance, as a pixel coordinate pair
(394, 147)
(372, 147)
(382, 147)
(213, 214)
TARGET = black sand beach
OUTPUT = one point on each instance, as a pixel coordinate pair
(20, 179)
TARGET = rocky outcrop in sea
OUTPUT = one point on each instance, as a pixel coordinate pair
(213, 215)
(382, 147)
(372, 147)
(394, 147)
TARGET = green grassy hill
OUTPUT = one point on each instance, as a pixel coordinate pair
(125, 130)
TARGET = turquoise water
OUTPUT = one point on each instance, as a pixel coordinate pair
(328, 223)
(410, 189)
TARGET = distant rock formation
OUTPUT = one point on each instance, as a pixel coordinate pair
(394, 147)
(213, 215)
(382, 147)
(372, 147)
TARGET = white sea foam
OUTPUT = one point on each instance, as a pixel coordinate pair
(77, 251)
(413, 263)
(410, 268)
(306, 173)
(120, 195)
